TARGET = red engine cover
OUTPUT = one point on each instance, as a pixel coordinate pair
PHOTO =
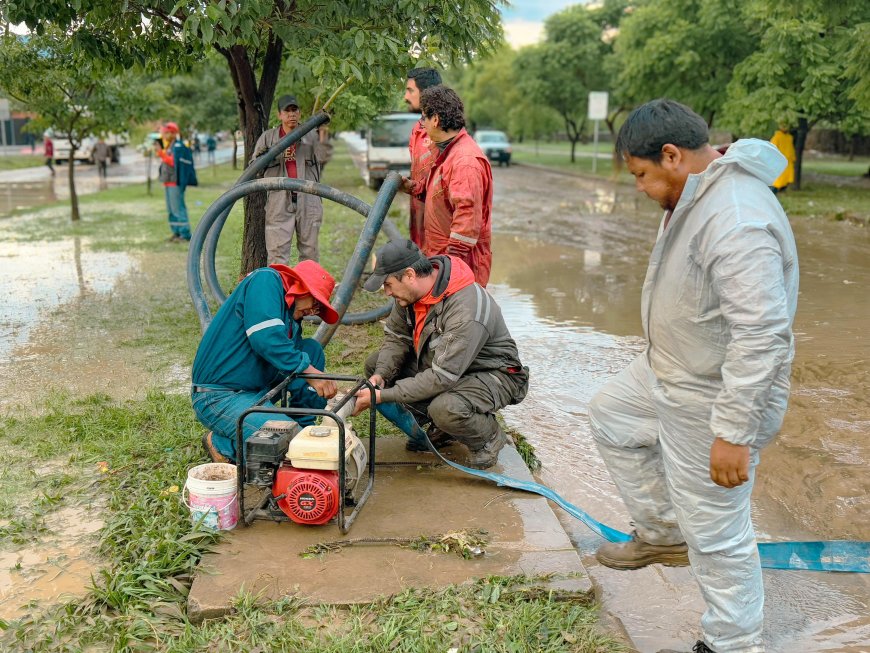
(311, 495)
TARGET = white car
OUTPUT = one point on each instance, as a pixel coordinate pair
(495, 145)
(85, 151)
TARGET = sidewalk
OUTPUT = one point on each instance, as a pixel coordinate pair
(407, 501)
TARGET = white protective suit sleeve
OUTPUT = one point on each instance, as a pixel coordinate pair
(746, 266)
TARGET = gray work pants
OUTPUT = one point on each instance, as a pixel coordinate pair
(286, 219)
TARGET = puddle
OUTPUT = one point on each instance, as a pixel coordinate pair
(40, 277)
(58, 567)
(569, 287)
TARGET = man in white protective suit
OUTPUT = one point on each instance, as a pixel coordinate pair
(681, 428)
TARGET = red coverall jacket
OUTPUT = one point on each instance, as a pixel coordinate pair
(421, 162)
(458, 205)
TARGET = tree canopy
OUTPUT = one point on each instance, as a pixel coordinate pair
(70, 95)
(373, 42)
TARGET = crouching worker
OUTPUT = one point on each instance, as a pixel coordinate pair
(253, 343)
(447, 355)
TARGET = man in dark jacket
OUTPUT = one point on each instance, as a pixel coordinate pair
(447, 354)
(171, 151)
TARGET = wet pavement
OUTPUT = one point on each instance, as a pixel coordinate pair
(567, 270)
(407, 501)
(29, 187)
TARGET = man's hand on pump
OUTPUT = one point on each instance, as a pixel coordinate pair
(364, 397)
(325, 388)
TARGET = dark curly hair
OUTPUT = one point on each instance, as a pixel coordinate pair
(445, 103)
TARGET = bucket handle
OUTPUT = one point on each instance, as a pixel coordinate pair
(210, 508)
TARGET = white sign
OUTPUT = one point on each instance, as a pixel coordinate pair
(4, 109)
(597, 105)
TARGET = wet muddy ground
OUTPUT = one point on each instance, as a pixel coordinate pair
(569, 259)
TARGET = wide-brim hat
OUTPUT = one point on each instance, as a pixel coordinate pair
(320, 284)
(395, 256)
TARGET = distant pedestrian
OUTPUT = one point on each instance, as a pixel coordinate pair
(102, 153)
(290, 213)
(784, 142)
(419, 79)
(176, 173)
(211, 146)
(49, 155)
(197, 146)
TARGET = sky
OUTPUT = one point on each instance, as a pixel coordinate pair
(523, 20)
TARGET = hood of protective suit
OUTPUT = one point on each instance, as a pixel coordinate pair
(758, 158)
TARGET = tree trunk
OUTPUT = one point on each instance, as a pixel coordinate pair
(235, 150)
(255, 102)
(73, 198)
(799, 142)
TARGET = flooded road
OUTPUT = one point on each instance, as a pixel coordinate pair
(567, 271)
(29, 187)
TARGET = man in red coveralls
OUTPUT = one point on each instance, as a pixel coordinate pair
(419, 79)
(457, 192)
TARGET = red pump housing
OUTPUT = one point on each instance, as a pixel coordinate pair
(310, 495)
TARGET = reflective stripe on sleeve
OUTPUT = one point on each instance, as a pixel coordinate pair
(264, 325)
(397, 335)
(440, 370)
(463, 239)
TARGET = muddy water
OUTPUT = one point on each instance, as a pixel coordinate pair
(568, 267)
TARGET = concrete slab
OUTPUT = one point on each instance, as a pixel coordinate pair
(407, 501)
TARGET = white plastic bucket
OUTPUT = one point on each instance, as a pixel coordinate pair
(212, 495)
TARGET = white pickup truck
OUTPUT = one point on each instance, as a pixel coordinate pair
(387, 146)
(85, 152)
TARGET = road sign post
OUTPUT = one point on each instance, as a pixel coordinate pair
(597, 111)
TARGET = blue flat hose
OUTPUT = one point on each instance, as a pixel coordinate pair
(835, 555)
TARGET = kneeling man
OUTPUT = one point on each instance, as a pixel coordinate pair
(447, 354)
(252, 344)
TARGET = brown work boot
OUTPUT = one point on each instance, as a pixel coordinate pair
(487, 456)
(211, 451)
(637, 553)
(437, 437)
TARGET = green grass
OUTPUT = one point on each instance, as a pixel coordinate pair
(18, 161)
(148, 545)
(818, 200)
(832, 164)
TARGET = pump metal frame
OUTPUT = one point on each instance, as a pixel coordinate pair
(275, 513)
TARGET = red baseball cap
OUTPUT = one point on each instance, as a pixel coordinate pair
(170, 127)
(320, 284)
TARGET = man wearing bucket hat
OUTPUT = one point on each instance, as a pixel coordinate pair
(447, 354)
(255, 341)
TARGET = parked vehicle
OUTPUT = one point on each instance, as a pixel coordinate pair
(495, 145)
(387, 146)
(85, 152)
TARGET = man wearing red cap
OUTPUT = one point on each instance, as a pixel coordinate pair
(175, 164)
(254, 342)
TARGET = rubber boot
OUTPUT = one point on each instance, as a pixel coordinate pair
(404, 420)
